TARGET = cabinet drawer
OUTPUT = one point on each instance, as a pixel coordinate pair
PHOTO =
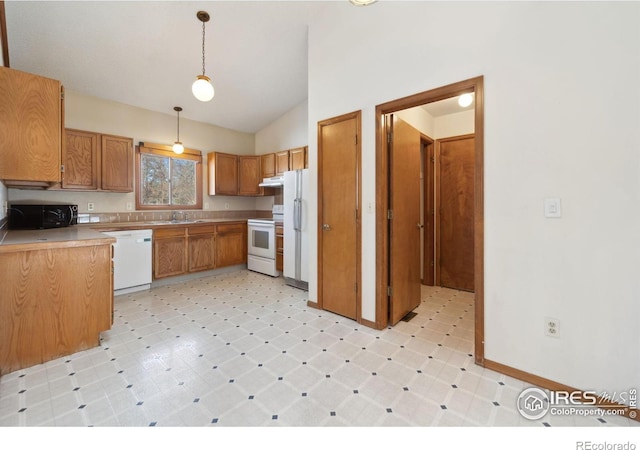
(231, 228)
(279, 243)
(279, 230)
(202, 229)
(169, 232)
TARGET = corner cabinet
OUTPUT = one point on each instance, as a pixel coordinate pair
(93, 161)
(32, 118)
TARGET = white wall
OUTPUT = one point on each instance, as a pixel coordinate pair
(93, 114)
(562, 111)
(288, 131)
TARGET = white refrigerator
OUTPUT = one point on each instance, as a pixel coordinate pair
(296, 228)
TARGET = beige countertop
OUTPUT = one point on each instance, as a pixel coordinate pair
(22, 240)
(84, 234)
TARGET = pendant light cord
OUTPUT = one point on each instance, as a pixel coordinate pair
(178, 126)
(202, 48)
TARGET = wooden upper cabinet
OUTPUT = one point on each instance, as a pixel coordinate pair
(282, 162)
(80, 160)
(250, 175)
(268, 165)
(298, 158)
(94, 161)
(223, 173)
(31, 114)
(117, 163)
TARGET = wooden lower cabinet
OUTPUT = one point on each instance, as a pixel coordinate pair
(54, 301)
(231, 244)
(279, 248)
(169, 252)
(201, 248)
(181, 250)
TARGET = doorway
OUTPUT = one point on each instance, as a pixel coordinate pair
(385, 302)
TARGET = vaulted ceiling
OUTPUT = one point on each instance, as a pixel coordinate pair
(148, 53)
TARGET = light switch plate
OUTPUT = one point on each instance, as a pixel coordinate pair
(552, 208)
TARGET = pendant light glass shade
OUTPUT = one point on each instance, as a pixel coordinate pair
(465, 100)
(203, 89)
(362, 2)
(178, 148)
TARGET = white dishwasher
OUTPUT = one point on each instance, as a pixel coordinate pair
(132, 254)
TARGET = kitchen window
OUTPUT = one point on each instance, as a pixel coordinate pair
(166, 180)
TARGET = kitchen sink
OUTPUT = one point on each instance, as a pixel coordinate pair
(173, 222)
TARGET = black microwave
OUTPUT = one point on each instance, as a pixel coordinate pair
(36, 216)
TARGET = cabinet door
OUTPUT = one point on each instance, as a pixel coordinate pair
(169, 253)
(32, 123)
(249, 169)
(282, 162)
(201, 252)
(80, 160)
(117, 163)
(297, 158)
(268, 165)
(223, 174)
(231, 245)
(279, 248)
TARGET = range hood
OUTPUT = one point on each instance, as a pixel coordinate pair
(273, 181)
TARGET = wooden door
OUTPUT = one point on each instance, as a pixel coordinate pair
(455, 159)
(80, 160)
(429, 215)
(249, 175)
(117, 163)
(405, 220)
(338, 216)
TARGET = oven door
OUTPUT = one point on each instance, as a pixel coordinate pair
(262, 240)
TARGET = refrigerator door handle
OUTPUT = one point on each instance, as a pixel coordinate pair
(297, 214)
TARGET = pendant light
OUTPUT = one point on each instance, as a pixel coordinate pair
(202, 88)
(178, 148)
(362, 2)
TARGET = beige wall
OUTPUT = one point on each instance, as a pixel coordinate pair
(94, 114)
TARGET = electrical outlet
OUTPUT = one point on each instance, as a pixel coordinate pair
(551, 327)
(226, 206)
(5, 207)
(206, 206)
(129, 206)
(90, 206)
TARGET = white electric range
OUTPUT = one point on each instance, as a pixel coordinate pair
(261, 242)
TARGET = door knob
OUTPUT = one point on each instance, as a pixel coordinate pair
(325, 227)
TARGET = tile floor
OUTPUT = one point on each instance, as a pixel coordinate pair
(243, 349)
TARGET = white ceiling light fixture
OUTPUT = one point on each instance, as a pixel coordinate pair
(202, 88)
(362, 2)
(178, 148)
(465, 100)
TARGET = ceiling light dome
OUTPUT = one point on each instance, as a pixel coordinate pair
(202, 88)
(465, 100)
(362, 2)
